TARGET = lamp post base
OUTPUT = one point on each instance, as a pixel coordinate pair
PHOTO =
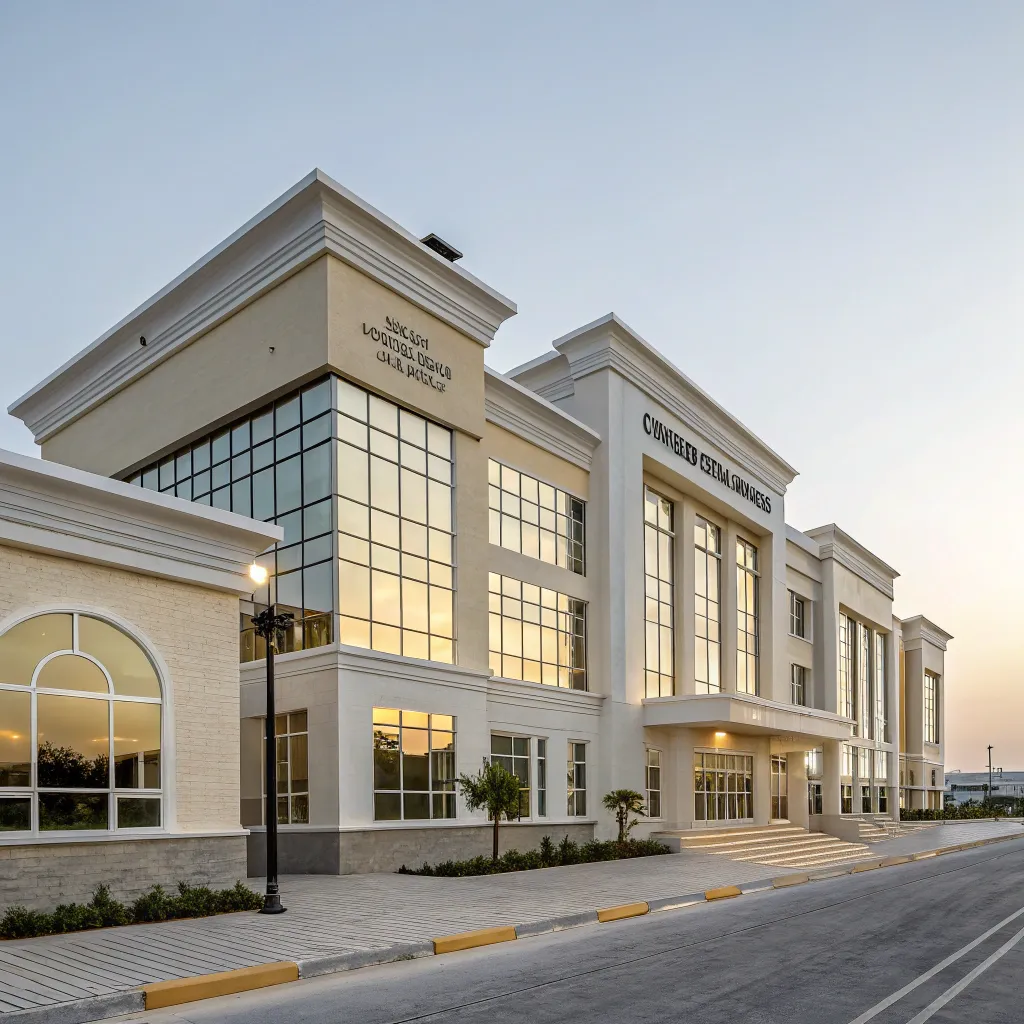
(272, 904)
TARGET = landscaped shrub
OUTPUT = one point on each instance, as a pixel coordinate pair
(102, 911)
(961, 812)
(548, 855)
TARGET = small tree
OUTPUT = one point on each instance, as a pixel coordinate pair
(496, 789)
(623, 803)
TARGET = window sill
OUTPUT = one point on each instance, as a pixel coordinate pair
(806, 639)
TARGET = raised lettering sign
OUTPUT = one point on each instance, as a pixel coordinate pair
(408, 353)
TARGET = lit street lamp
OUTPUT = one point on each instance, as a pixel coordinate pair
(268, 624)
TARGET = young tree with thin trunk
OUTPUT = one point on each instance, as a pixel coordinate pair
(496, 789)
(623, 803)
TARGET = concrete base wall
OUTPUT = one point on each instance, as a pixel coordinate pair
(355, 852)
(39, 876)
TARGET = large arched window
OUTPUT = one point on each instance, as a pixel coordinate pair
(80, 728)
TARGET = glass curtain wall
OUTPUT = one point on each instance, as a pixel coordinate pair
(707, 669)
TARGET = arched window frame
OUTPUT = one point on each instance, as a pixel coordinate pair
(164, 792)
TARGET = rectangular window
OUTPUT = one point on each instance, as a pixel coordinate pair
(513, 754)
(535, 519)
(414, 767)
(848, 761)
(542, 778)
(846, 799)
(536, 635)
(798, 684)
(863, 680)
(723, 786)
(863, 763)
(881, 766)
(747, 615)
(707, 543)
(797, 622)
(395, 484)
(653, 783)
(291, 732)
(576, 780)
(813, 764)
(847, 629)
(814, 798)
(659, 590)
(931, 708)
(881, 715)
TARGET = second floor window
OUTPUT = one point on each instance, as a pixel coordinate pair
(847, 634)
(931, 708)
(534, 518)
(797, 622)
(707, 543)
(659, 591)
(881, 716)
(798, 684)
(747, 614)
(536, 634)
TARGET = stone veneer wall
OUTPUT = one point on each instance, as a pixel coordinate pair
(41, 875)
(194, 630)
(330, 852)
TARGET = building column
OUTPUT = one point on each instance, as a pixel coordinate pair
(832, 770)
(796, 764)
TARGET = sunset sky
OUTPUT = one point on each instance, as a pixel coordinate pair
(815, 210)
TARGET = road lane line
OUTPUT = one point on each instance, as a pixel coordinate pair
(955, 990)
(875, 1010)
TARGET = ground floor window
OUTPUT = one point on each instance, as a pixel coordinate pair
(780, 787)
(542, 778)
(723, 786)
(413, 765)
(814, 798)
(865, 799)
(291, 731)
(883, 800)
(513, 754)
(846, 799)
(653, 783)
(576, 778)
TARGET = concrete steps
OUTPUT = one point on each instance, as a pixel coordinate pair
(776, 845)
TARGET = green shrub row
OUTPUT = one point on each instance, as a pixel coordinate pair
(547, 856)
(103, 911)
(962, 812)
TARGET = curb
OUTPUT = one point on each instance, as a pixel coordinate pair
(205, 986)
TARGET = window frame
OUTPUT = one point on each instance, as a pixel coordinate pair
(798, 601)
(795, 670)
(653, 763)
(743, 571)
(712, 648)
(931, 708)
(573, 791)
(657, 629)
(289, 792)
(528, 758)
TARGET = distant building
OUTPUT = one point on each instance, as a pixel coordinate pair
(963, 787)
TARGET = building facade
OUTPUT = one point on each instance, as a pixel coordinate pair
(581, 568)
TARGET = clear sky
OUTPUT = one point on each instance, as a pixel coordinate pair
(815, 209)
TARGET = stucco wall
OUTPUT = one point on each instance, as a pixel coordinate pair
(194, 631)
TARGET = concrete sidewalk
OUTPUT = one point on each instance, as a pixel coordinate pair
(339, 922)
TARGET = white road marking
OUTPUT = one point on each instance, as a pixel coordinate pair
(955, 990)
(875, 1010)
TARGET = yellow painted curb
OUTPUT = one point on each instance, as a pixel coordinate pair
(871, 865)
(623, 911)
(225, 983)
(468, 940)
(891, 862)
(785, 881)
(924, 856)
(723, 892)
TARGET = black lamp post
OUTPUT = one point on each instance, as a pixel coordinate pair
(268, 624)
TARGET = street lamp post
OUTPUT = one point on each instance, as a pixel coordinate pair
(268, 624)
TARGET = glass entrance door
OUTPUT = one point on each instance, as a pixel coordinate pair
(780, 787)
(723, 787)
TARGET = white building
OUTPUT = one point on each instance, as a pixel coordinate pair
(582, 567)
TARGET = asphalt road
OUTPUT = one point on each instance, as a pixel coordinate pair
(843, 951)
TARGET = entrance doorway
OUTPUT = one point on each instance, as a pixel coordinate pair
(723, 787)
(780, 788)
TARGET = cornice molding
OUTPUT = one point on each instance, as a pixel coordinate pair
(917, 627)
(540, 697)
(316, 217)
(511, 406)
(609, 343)
(844, 550)
(68, 513)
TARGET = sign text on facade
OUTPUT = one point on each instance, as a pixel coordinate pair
(408, 352)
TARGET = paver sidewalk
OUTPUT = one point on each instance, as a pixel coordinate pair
(359, 914)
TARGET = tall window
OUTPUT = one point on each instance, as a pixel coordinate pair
(537, 634)
(413, 765)
(723, 786)
(863, 680)
(798, 684)
(542, 778)
(395, 516)
(881, 716)
(292, 734)
(847, 632)
(659, 588)
(535, 519)
(513, 754)
(80, 728)
(797, 622)
(653, 783)
(276, 466)
(747, 613)
(576, 780)
(931, 708)
(707, 542)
